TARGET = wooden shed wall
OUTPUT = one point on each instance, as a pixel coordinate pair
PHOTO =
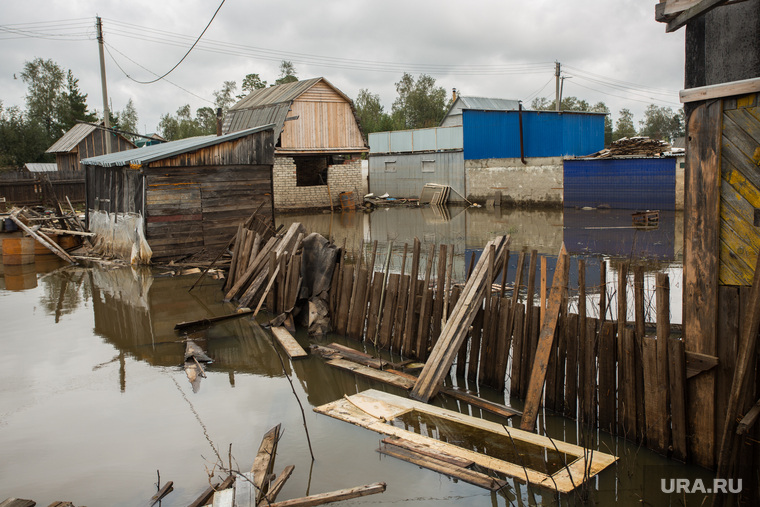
(114, 189)
(188, 209)
(740, 190)
(325, 121)
(91, 146)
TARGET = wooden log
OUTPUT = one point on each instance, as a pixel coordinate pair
(607, 378)
(333, 496)
(292, 348)
(678, 397)
(545, 341)
(442, 355)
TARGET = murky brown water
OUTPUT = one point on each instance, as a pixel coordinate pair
(93, 399)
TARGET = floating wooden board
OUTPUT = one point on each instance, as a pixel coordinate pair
(366, 371)
(564, 480)
(291, 346)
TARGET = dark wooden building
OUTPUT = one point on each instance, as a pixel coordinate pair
(83, 141)
(721, 309)
(189, 194)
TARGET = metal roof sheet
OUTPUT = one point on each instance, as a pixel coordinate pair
(487, 104)
(33, 167)
(287, 92)
(248, 118)
(147, 154)
(72, 138)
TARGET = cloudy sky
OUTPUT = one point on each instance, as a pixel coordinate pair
(610, 50)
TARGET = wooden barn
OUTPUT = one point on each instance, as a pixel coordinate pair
(318, 140)
(85, 140)
(185, 196)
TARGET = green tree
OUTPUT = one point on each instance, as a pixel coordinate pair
(126, 120)
(662, 123)
(567, 104)
(21, 141)
(74, 104)
(46, 82)
(287, 73)
(225, 97)
(601, 107)
(251, 83)
(624, 126)
(372, 117)
(183, 125)
(206, 119)
(419, 104)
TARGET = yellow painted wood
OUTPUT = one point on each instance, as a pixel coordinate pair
(565, 480)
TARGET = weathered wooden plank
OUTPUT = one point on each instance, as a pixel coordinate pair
(607, 378)
(374, 307)
(728, 330)
(292, 348)
(371, 373)
(224, 498)
(333, 496)
(701, 268)
(529, 307)
(245, 495)
(662, 294)
(423, 329)
(345, 301)
(652, 403)
(389, 311)
(487, 321)
(264, 461)
(571, 365)
(518, 347)
(410, 327)
(400, 319)
(744, 364)
(545, 340)
(678, 397)
(503, 343)
(627, 383)
(276, 486)
(425, 450)
(588, 363)
(749, 419)
(359, 306)
(697, 363)
(444, 467)
(437, 315)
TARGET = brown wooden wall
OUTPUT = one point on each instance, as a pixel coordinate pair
(91, 146)
(115, 189)
(188, 209)
(325, 121)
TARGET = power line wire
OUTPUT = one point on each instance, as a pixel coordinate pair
(188, 51)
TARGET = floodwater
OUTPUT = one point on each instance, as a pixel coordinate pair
(95, 406)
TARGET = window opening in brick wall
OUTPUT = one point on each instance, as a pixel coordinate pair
(311, 171)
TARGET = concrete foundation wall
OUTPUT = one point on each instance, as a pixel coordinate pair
(345, 177)
(537, 183)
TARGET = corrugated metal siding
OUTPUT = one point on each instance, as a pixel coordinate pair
(242, 119)
(637, 183)
(408, 141)
(402, 175)
(496, 134)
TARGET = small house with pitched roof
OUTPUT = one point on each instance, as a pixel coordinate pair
(85, 140)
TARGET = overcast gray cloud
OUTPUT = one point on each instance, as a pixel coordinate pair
(611, 50)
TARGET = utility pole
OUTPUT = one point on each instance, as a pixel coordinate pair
(106, 114)
(556, 86)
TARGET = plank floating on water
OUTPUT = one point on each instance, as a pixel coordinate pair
(289, 343)
(333, 496)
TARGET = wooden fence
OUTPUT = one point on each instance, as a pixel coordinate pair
(27, 189)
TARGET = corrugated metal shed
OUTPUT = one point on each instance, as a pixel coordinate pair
(148, 154)
(432, 139)
(40, 168)
(454, 115)
(72, 138)
(496, 134)
(404, 174)
(621, 183)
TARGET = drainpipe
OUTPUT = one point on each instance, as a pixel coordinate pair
(522, 145)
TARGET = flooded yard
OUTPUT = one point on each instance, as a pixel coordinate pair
(94, 400)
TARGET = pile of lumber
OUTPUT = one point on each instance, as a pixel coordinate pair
(269, 268)
(46, 229)
(633, 146)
